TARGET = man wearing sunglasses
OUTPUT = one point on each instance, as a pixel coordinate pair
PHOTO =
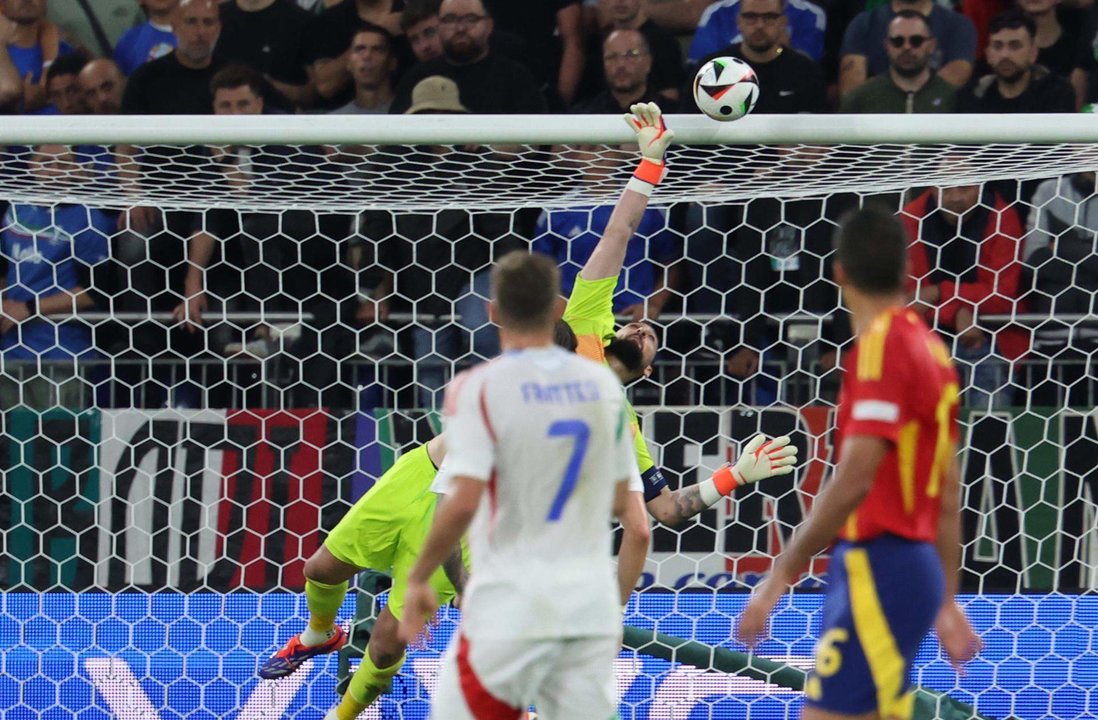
(863, 52)
(909, 86)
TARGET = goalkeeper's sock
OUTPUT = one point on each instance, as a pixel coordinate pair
(368, 683)
(719, 485)
(324, 603)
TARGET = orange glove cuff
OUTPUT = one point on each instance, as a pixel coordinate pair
(726, 480)
(649, 171)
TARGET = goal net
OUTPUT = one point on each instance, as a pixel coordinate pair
(218, 333)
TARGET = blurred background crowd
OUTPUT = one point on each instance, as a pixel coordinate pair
(224, 308)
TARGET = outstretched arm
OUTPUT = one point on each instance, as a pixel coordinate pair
(760, 459)
(653, 137)
(673, 508)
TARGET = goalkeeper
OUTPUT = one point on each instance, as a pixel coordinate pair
(631, 350)
(387, 531)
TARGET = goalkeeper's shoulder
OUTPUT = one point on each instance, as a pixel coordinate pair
(584, 291)
(591, 300)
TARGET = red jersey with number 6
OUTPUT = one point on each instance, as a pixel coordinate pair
(900, 384)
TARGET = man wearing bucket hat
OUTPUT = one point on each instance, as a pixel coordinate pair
(436, 94)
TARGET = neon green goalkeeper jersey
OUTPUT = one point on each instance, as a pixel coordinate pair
(590, 314)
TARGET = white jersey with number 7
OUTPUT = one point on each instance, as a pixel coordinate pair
(547, 431)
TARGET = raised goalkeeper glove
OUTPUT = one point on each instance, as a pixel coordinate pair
(653, 138)
(760, 459)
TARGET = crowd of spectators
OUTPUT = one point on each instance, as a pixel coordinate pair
(996, 249)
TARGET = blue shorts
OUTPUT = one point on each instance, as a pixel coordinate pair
(882, 598)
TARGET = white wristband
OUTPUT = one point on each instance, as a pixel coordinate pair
(708, 492)
(637, 185)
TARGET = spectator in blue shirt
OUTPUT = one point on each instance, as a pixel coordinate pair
(718, 29)
(569, 236)
(53, 260)
(148, 41)
(34, 43)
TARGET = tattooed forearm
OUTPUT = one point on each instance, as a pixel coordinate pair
(688, 502)
(455, 570)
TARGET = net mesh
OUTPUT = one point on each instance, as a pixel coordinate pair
(351, 178)
(210, 381)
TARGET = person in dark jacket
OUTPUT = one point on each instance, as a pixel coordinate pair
(910, 85)
(964, 265)
(779, 279)
(1017, 84)
(789, 80)
(1060, 279)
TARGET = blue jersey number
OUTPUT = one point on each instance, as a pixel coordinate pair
(581, 433)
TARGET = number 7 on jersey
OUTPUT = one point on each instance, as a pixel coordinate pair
(580, 431)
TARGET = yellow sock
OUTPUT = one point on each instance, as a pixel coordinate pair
(324, 603)
(348, 708)
(368, 683)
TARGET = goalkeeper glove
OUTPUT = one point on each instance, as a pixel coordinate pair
(760, 459)
(653, 138)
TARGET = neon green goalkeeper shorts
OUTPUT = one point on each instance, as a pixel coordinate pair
(387, 527)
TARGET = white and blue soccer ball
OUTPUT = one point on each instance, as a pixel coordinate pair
(726, 88)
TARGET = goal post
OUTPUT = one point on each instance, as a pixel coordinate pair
(239, 360)
(457, 129)
(759, 156)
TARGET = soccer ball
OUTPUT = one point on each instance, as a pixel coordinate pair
(726, 88)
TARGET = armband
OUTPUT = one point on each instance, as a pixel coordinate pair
(654, 483)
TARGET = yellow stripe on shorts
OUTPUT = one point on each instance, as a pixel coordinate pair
(886, 664)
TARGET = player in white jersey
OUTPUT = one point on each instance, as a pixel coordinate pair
(539, 458)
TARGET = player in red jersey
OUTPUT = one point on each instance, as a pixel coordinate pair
(893, 501)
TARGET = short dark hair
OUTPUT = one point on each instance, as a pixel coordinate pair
(376, 30)
(564, 336)
(1012, 20)
(234, 76)
(871, 245)
(416, 11)
(70, 64)
(909, 14)
(525, 287)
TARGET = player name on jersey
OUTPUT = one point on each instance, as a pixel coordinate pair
(568, 393)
